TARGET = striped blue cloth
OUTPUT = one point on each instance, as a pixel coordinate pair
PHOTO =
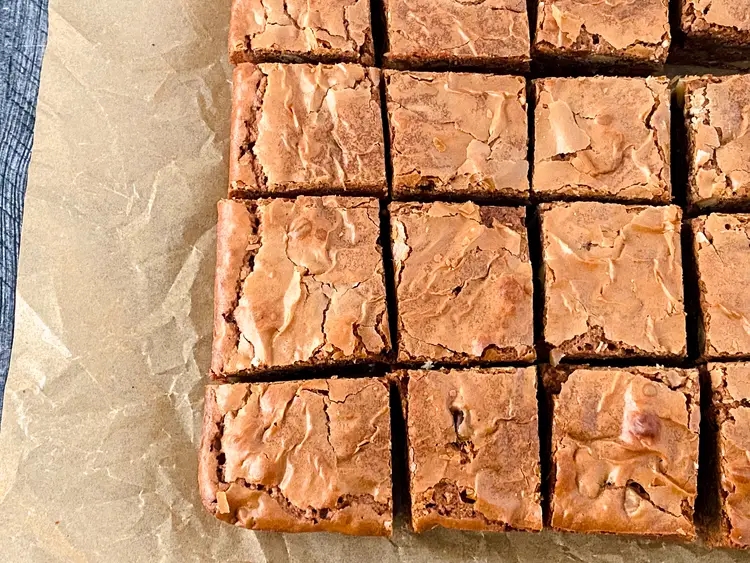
(23, 32)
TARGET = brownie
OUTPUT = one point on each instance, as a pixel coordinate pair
(434, 34)
(299, 456)
(717, 112)
(722, 257)
(716, 31)
(603, 138)
(301, 31)
(730, 383)
(474, 449)
(458, 134)
(613, 281)
(313, 129)
(298, 283)
(624, 450)
(463, 283)
(631, 35)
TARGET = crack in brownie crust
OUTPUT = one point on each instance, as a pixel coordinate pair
(625, 450)
(474, 449)
(299, 456)
(299, 282)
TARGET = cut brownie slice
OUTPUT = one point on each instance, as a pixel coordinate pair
(634, 35)
(613, 281)
(731, 407)
(716, 31)
(717, 111)
(314, 129)
(463, 283)
(298, 283)
(624, 450)
(602, 138)
(299, 456)
(474, 449)
(722, 257)
(458, 134)
(442, 33)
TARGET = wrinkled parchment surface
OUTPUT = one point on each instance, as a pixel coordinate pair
(103, 405)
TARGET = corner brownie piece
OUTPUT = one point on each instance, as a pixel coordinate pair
(730, 384)
(717, 111)
(299, 456)
(474, 449)
(602, 138)
(442, 33)
(624, 450)
(298, 283)
(314, 129)
(722, 257)
(634, 35)
(458, 134)
(716, 31)
(613, 281)
(463, 283)
(298, 31)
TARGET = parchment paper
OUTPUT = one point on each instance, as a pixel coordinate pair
(113, 325)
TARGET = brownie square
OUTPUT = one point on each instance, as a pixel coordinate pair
(298, 283)
(442, 33)
(474, 449)
(458, 134)
(730, 384)
(313, 129)
(717, 111)
(722, 257)
(634, 35)
(301, 31)
(613, 281)
(716, 31)
(463, 283)
(624, 450)
(299, 456)
(602, 138)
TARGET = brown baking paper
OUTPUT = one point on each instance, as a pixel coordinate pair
(113, 324)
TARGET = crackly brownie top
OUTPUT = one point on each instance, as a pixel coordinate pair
(722, 247)
(718, 117)
(731, 395)
(300, 26)
(625, 448)
(704, 16)
(440, 29)
(458, 131)
(299, 125)
(463, 281)
(614, 268)
(602, 137)
(318, 449)
(475, 430)
(298, 281)
(636, 28)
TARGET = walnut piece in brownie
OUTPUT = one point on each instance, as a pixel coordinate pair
(624, 450)
(613, 281)
(474, 449)
(632, 34)
(458, 134)
(722, 257)
(299, 456)
(300, 31)
(433, 34)
(298, 283)
(463, 283)
(602, 138)
(717, 111)
(730, 383)
(314, 129)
